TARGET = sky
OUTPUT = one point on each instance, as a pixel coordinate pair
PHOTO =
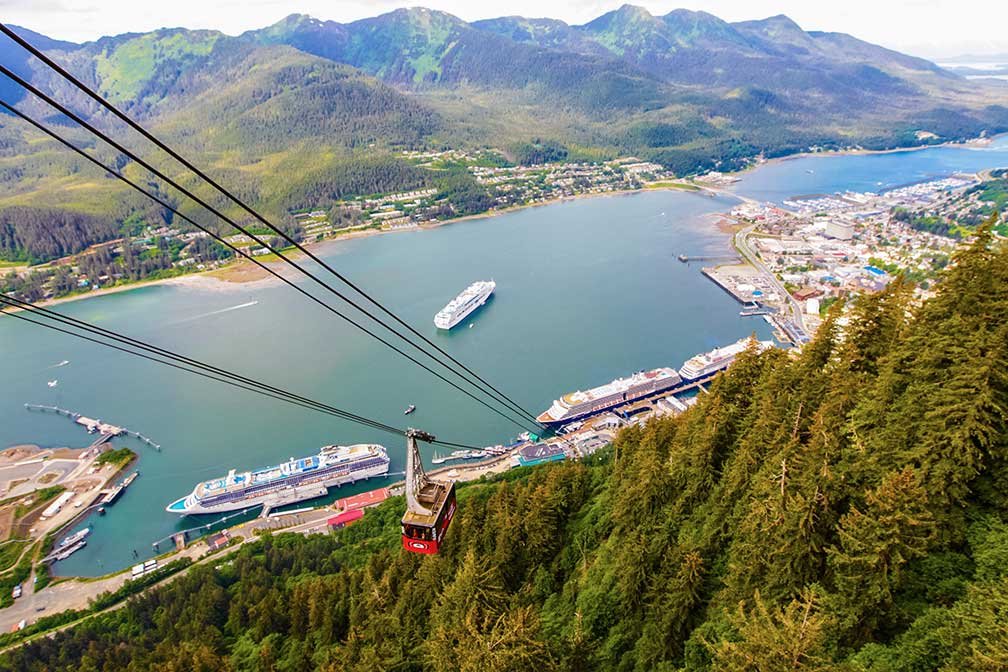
(931, 28)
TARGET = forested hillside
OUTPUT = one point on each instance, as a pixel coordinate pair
(842, 509)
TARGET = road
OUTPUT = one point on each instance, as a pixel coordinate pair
(75, 594)
(749, 254)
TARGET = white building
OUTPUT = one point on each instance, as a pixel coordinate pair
(56, 506)
(839, 229)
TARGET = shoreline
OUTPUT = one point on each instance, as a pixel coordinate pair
(962, 144)
(243, 275)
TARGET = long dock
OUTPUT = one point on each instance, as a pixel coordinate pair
(106, 430)
(712, 276)
(722, 258)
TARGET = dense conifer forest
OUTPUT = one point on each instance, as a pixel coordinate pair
(845, 508)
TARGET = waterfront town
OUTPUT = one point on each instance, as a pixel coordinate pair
(801, 257)
(796, 260)
(162, 251)
(798, 257)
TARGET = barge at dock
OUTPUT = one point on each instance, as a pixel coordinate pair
(293, 481)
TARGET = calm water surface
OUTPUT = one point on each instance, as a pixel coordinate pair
(867, 172)
(587, 290)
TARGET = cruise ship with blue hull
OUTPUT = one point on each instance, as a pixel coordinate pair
(296, 480)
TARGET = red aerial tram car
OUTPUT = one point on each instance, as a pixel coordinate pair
(430, 504)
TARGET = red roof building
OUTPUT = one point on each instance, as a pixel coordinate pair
(362, 500)
(344, 519)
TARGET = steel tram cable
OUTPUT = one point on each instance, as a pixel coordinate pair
(184, 363)
(246, 383)
(206, 178)
(196, 372)
(64, 110)
(107, 333)
(258, 263)
(66, 320)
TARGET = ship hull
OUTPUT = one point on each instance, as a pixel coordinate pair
(567, 419)
(278, 494)
(603, 406)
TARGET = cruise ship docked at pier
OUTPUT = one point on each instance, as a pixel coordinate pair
(578, 405)
(293, 481)
(471, 298)
(703, 365)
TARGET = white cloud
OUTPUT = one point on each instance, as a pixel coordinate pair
(931, 28)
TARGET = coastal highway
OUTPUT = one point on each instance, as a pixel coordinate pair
(749, 254)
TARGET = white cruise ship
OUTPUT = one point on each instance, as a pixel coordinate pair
(717, 359)
(474, 296)
(577, 405)
(293, 481)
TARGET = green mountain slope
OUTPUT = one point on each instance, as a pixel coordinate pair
(284, 113)
(420, 48)
(844, 509)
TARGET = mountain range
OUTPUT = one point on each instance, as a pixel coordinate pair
(282, 112)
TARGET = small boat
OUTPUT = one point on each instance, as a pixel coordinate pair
(810, 171)
(409, 409)
(53, 383)
(74, 538)
(471, 325)
(64, 362)
(101, 510)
